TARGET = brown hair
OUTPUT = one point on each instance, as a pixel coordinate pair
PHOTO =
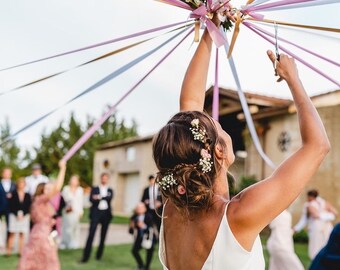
(40, 189)
(175, 151)
(313, 193)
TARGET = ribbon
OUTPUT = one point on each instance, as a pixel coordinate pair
(246, 112)
(98, 44)
(176, 3)
(88, 62)
(235, 34)
(106, 79)
(303, 5)
(294, 56)
(204, 14)
(112, 109)
(328, 29)
(274, 4)
(215, 103)
(296, 45)
(254, 3)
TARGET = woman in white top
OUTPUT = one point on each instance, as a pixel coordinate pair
(319, 215)
(280, 244)
(73, 195)
(202, 228)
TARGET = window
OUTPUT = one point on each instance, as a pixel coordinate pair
(130, 153)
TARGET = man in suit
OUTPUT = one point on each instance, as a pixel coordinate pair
(8, 187)
(35, 179)
(152, 199)
(100, 213)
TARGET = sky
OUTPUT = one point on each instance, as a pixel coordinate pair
(34, 29)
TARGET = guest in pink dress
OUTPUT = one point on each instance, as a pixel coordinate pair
(40, 253)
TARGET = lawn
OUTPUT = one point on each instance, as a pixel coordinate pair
(118, 258)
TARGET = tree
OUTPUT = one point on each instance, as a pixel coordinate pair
(10, 153)
(56, 143)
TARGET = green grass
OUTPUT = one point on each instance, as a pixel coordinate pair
(115, 257)
(115, 220)
(119, 257)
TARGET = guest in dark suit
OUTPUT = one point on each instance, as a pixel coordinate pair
(100, 213)
(8, 187)
(329, 257)
(19, 219)
(152, 199)
(141, 224)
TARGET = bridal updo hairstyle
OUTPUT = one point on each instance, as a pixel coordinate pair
(176, 152)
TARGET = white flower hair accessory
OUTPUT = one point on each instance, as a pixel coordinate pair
(205, 161)
(167, 181)
(199, 134)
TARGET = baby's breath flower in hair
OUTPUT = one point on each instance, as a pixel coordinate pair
(199, 134)
(167, 181)
(205, 161)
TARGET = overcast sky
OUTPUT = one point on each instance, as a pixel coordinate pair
(37, 28)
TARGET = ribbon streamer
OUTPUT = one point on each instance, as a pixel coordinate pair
(89, 62)
(106, 79)
(303, 5)
(215, 103)
(246, 112)
(254, 3)
(98, 44)
(296, 45)
(294, 56)
(111, 110)
(201, 13)
(275, 4)
(235, 34)
(328, 29)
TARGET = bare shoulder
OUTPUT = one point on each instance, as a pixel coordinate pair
(237, 220)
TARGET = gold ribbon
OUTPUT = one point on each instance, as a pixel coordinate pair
(239, 20)
(328, 29)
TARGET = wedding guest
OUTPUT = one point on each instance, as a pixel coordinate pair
(280, 244)
(100, 213)
(152, 199)
(141, 224)
(73, 196)
(317, 215)
(329, 257)
(40, 253)
(8, 186)
(35, 179)
(19, 218)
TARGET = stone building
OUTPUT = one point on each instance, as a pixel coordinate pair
(130, 161)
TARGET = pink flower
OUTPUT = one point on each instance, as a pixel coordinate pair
(205, 154)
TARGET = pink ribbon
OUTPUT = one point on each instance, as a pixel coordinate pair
(201, 14)
(296, 45)
(275, 4)
(294, 55)
(215, 103)
(83, 139)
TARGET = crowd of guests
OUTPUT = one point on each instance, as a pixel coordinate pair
(46, 216)
(43, 213)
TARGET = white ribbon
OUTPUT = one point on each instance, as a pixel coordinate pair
(246, 111)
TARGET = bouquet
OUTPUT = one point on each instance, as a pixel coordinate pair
(222, 8)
